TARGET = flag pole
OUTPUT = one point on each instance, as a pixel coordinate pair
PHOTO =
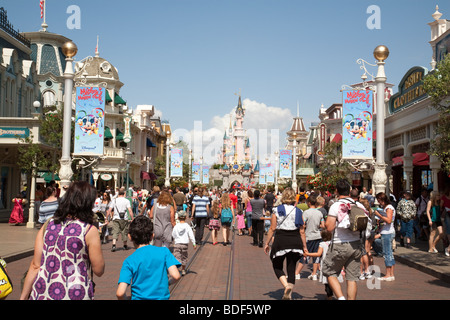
(44, 25)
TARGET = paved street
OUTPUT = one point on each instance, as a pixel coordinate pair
(218, 273)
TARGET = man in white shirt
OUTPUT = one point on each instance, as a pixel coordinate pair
(345, 250)
(120, 219)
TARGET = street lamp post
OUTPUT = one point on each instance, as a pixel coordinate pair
(127, 156)
(31, 212)
(276, 172)
(190, 170)
(167, 181)
(294, 163)
(379, 177)
(69, 49)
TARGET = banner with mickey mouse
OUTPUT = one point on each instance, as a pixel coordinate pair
(89, 121)
(357, 124)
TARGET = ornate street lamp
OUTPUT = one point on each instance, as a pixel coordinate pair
(167, 181)
(69, 49)
(379, 177)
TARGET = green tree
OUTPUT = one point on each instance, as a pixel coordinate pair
(333, 167)
(437, 85)
(31, 156)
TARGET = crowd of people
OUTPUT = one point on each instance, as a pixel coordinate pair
(296, 228)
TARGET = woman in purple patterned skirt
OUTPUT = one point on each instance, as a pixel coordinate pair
(66, 250)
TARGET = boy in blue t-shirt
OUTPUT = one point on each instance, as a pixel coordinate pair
(146, 269)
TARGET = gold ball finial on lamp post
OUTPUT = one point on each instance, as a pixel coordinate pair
(381, 53)
(69, 49)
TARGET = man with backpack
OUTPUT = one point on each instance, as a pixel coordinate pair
(347, 221)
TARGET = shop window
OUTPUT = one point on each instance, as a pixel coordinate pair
(426, 178)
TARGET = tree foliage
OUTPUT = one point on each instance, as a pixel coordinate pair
(331, 169)
(437, 85)
(31, 155)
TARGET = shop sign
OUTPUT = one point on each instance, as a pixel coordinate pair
(410, 90)
(7, 132)
(106, 176)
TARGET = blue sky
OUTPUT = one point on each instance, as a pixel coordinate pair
(190, 57)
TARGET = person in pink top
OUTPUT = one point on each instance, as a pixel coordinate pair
(240, 222)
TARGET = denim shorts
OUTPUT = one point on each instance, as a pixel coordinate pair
(312, 246)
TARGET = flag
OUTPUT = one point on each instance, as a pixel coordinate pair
(41, 5)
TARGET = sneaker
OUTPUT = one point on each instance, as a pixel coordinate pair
(368, 275)
(113, 249)
(446, 252)
(183, 272)
(312, 277)
(297, 276)
(386, 279)
(125, 247)
(362, 276)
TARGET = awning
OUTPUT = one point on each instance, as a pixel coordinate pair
(119, 135)
(337, 138)
(419, 159)
(129, 180)
(108, 134)
(145, 175)
(118, 99)
(397, 161)
(108, 97)
(150, 144)
(47, 176)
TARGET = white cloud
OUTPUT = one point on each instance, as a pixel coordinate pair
(265, 125)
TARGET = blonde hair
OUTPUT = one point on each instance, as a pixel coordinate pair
(215, 209)
(320, 201)
(225, 201)
(288, 196)
(434, 198)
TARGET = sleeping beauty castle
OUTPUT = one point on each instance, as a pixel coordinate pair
(235, 157)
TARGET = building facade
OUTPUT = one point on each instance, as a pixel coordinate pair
(19, 89)
(411, 167)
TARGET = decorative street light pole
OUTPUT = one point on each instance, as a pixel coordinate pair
(128, 154)
(294, 164)
(190, 170)
(69, 49)
(276, 172)
(379, 177)
(31, 223)
(167, 181)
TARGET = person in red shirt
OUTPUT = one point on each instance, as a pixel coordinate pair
(234, 198)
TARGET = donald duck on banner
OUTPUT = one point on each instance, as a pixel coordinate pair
(357, 108)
